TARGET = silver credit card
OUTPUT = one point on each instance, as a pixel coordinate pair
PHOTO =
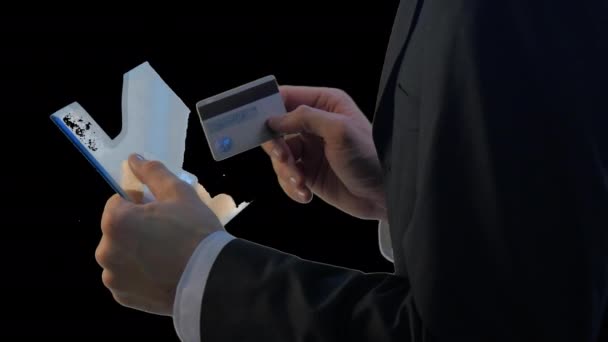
(235, 120)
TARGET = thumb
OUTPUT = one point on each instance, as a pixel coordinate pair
(161, 181)
(304, 119)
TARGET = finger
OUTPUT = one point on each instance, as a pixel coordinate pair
(109, 255)
(116, 202)
(283, 162)
(299, 194)
(276, 149)
(116, 213)
(295, 145)
(285, 167)
(117, 281)
(303, 169)
(161, 181)
(288, 172)
(125, 299)
(150, 301)
(281, 148)
(318, 97)
(304, 119)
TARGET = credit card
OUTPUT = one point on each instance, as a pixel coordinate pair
(235, 120)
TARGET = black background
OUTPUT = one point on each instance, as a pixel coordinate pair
(51, 282)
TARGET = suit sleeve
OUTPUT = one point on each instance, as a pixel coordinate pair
(256, 293)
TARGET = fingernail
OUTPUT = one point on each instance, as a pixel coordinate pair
(292, 180)
(139, 156)
(302, 194)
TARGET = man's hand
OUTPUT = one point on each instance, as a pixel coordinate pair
(328, 151)
(145, 247)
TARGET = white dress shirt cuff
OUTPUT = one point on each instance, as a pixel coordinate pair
(384, 240)
(189, 294)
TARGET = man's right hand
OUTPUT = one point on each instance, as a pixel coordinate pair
(327, 150)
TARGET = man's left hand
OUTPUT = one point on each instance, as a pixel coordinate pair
(145, 247)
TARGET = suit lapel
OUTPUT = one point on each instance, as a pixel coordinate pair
(400, 34)
(383, 116)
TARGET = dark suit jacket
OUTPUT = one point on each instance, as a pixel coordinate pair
(491, 127)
